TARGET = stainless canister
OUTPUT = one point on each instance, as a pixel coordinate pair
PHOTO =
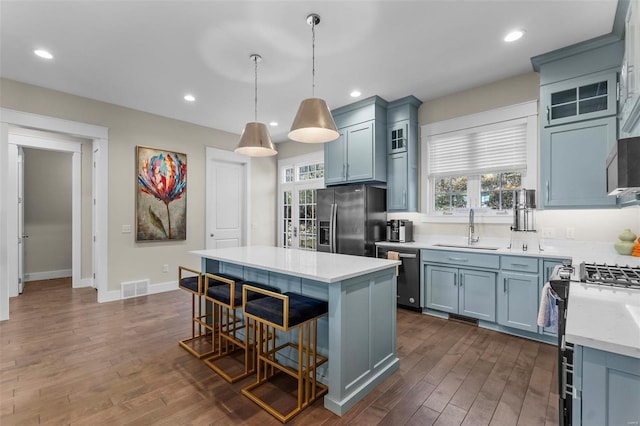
(523, 210)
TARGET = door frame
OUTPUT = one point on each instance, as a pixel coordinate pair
(8, 207)
(212, 154)
(51, 144)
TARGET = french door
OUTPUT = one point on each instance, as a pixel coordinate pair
(297, 212)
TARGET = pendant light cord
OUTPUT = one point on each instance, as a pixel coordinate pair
(255, 94)
(313, 58)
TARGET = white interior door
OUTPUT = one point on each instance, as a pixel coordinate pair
(226, 202)
(21, 234)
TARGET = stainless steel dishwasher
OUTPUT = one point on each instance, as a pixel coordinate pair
(408, 275)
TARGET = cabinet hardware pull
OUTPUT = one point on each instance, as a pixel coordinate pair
(504, 285)
(524, 265)
(548, 115)
(459, 259)
(548, 191)
(461, 280)
(344, 171)
(455, 279)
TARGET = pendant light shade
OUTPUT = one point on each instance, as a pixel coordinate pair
(255, 140)
(313, 122)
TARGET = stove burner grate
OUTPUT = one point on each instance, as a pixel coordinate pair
(612, 275)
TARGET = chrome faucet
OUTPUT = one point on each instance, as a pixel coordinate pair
(472, 229)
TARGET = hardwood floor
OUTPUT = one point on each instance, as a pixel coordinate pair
(65, 359)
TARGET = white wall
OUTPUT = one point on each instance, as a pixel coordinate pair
(128, 128)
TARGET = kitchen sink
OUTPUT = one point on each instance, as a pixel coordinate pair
(465, 246)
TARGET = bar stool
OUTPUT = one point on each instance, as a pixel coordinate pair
(234, 334)
(201, 342)
(286, 312)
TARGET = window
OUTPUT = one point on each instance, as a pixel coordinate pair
(300, 177)
(479, 162)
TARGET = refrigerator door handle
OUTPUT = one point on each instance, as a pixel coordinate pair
(332, 230)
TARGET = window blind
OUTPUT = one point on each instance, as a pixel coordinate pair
(479, 150)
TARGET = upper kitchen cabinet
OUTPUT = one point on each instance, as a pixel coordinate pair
(580, 98)
(402, 147)
(578, 119)
(630, 74)
(359, 154)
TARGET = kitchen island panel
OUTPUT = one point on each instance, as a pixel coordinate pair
(359, 333)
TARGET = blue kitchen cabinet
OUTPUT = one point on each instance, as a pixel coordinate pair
(518, 300)
(573, 169)
(606, 388)
(466, 292)
(477, 294)
(397, 182)
(580, 98)
(359, 154)
(441, 288)
(578, 109)
(402, 149)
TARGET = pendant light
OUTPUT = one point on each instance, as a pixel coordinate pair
(313, 122)
(255, 140)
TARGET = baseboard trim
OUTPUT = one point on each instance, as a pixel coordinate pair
(113, 295)
(47, 275)
(84, 282)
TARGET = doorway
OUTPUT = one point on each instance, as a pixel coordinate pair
(98, 137)
(18, 143)
(45, 199)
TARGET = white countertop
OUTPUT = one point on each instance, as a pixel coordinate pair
(605, 318)
(578, 251)
(325, 267)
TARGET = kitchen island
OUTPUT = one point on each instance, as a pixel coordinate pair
(359, 333)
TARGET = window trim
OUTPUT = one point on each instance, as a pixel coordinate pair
(526, 110)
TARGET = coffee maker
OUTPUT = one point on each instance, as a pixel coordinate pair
(399, 231)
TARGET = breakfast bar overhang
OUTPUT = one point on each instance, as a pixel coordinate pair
(359, 334)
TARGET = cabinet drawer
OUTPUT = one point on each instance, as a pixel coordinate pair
(461, 258)
(520, 263)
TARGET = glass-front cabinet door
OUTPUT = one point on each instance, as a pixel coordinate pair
(580, 98)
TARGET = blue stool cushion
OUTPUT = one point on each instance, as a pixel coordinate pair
(301, 308)
(221, 293)
(190, 283)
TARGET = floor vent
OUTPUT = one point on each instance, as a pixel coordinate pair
(463, 319)
(134, 288)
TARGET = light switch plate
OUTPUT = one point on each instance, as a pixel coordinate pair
(571, 233)
(126, 229)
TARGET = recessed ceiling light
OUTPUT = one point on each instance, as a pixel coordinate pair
(355, 94)
(43, 53)
(189, 98)
(514, 35)
(273, 123)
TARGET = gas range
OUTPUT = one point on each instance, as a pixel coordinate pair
(598, 274)
(592, 274)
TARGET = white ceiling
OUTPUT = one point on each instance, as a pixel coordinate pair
(147, 54)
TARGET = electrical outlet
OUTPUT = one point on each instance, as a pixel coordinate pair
(571, 233)
(548, 232)
(126, 229)
(165, 268)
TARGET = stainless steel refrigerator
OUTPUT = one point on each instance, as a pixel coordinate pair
(351, 219)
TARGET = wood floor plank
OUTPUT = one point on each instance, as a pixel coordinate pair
(119, 363)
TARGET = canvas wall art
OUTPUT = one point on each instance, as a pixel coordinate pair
(161, 195)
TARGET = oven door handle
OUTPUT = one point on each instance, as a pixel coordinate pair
(407, 256)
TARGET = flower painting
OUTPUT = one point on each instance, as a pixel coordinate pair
(161, 195)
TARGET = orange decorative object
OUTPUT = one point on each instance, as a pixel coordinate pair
(636, 249)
